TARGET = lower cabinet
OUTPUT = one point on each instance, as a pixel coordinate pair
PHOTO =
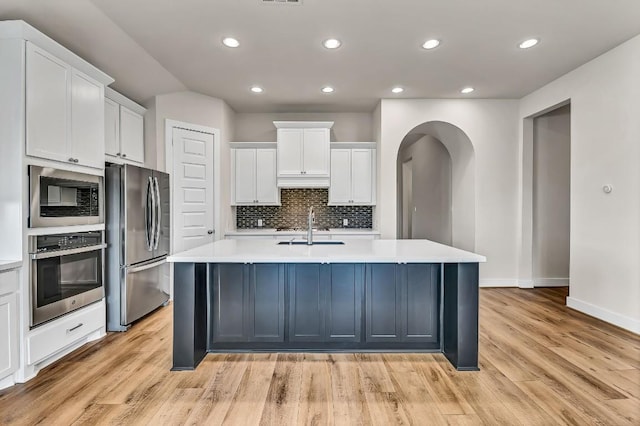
(248, 302)
(8, 323)
(402, 302)
(325, 302)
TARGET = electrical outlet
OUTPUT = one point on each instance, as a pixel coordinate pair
(259, 223)
(345, 222)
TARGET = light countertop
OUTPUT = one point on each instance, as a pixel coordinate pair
(6, 265)
(353, 251)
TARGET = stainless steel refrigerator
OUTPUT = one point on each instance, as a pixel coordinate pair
(138, 231)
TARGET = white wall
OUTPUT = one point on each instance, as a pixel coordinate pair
(551, 197)
(491, 125)
(198, 109)
(605, 149)
(348, 127)
(431, 188)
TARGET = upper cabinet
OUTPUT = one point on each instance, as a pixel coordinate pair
(303, 154)
(353, 175)
(253, 174)
(64, 111)
(124, 129)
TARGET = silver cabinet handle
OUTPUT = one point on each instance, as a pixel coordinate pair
(69, 330)
(71, 160)
(210, 231)
(75, 160)
(118, 154)
(124, 155)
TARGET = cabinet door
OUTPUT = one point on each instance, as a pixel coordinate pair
(267, 191)
(245, 176)
(47, 105)
(87, 120)
(344, 302)
(266, 303)
(420, 303)
(306, 302)
(383, 294)
(111, 127)
(131, 135)
(290, 152)
(316, 151)
(231, 298)
(340, 186)
(362, 176)
(8, 334)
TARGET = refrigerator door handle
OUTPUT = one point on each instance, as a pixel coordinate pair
(145, 267)
(150, 210)
(158, 213)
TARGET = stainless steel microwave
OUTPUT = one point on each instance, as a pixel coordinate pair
(64, 198)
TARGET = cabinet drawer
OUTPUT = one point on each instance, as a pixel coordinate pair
(8, 281)
(50, 338)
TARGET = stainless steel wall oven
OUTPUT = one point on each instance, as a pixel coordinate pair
(66, 273)
(64, 198)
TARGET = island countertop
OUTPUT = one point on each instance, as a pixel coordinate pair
(353, 251)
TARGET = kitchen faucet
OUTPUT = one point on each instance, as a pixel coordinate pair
(310, 219)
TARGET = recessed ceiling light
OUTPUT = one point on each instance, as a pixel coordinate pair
(397, 90)
(327, 89)
(467, 90)
(528, 43)
(257, 89)
(431, 44)
(230, 42)
(332, 43)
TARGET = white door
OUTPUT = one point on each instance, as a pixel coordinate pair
(192, 189)
(266, 183)
(316, 152)
(340, 186)
(289, 152)
(245, 176)
(131, 135)
(111, 127)
(87, 120)
(361, 176)
(47, 105)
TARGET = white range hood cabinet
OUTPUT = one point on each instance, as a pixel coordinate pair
(304, 154)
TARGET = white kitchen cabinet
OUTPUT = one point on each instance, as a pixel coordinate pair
(303, 154)
(124, 129)
(352, 176)
(9, 351)
(64, 111)
(254, 176)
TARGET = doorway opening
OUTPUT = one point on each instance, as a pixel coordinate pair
(436, 185)
(551, 197)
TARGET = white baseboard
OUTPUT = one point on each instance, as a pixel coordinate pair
(606, 315)
(498, 282)
(551, 282)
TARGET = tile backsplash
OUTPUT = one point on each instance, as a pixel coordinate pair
(295, 207)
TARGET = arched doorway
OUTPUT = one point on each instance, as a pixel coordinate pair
(436, 185)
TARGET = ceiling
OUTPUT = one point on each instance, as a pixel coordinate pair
(158, 46)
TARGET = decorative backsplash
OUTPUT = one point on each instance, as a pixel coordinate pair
(295, 208)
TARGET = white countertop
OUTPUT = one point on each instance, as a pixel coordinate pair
(353, 251)
(5, 265)
(273, 231)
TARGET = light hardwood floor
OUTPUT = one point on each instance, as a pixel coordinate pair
(541, 363)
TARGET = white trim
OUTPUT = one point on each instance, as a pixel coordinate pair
(606, 315)
(249, 145)
(353, 145)
(522, 283)
(303, 124)
(499, 282)
(551, 282)
(119, 98)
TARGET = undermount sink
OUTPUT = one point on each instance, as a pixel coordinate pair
(315, 243)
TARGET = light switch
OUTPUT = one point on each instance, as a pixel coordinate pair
(259, 223)
(345, 222)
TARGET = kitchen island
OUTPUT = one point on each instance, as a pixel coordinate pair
(363, 295)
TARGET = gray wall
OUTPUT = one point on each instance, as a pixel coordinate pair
(431, 177)
(348, 127)
(551, 195)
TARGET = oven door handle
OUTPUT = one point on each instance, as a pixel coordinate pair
(46, 255)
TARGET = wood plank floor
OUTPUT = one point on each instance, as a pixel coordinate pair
(541, 364)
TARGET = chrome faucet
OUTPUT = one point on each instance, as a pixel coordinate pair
(310, 220)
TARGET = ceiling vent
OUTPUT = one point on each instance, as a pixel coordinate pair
(296, 2)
